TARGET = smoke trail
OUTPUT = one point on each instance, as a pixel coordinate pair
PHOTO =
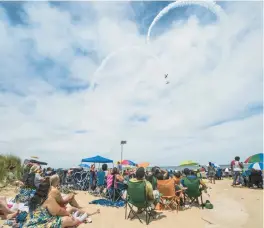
(210, 5)
(119, 51)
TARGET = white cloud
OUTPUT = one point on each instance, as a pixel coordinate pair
(207, 85)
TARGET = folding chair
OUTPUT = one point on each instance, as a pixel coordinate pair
(193, 191)
(116, 193)
(137, 197)
(168, 195)
(100, 184)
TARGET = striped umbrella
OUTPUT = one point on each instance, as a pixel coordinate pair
(255, 158)
(256, 166)
(128, 162)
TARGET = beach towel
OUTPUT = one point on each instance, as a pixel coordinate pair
(108, 203)
(24, 195)
(41, 218)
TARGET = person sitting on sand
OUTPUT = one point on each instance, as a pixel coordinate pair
(38, 178)
(5, 211)
(54, 213)
(54, 193)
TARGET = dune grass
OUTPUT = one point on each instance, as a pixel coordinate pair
(8, 161)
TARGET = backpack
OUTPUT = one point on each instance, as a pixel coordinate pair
(28, 180)
(40, 195)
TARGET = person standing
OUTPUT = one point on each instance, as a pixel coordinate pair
(119, 166)
(211, 173)
(236, 168)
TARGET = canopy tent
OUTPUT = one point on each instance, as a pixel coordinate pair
(97, 159)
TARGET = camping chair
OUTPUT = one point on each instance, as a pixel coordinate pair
(193, 191)
(168, 195)
(137, 197)
(114, 189)
(100, 183)
(116, 193)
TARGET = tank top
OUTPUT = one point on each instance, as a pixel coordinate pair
(111, 181)
(236, 166)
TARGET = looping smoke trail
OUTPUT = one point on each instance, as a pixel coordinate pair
(210, 5)
(119, 51)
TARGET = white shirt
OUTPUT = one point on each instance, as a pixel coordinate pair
(236, 166)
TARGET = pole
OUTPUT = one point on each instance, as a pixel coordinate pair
(122, 144)
(121, 153)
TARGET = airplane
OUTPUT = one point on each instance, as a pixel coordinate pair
(167, 82)
(166, 75)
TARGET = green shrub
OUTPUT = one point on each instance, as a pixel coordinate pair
(8, 161)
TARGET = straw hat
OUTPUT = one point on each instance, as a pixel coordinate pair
(34, 169)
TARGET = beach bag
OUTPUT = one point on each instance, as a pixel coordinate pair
(21, 217)
(40, 195)
(208, 205)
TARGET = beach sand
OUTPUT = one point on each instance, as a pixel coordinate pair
(233, 208)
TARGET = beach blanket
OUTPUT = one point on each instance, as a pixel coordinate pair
(24, 195)
(108, 203)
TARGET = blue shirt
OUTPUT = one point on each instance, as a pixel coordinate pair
(192, 177)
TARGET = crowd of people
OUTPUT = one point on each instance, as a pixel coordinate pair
(40, 191)
(47, 206)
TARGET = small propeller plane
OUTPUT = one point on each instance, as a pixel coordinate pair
(166, 75)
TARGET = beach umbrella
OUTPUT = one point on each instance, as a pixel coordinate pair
(255, 158)
(188, 163)
(84, 166)
(143, 164)
(128, 162)
(256, 166)
(214, 165)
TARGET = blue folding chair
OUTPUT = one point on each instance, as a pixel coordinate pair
(101, 183)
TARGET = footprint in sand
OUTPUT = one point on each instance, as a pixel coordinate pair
(227, 213)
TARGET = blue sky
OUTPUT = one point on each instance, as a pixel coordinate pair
(211, 110)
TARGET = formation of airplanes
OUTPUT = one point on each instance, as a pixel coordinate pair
(166, 75)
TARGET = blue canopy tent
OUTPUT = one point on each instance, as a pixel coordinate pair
(97, 159)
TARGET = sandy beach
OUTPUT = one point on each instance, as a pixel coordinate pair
(233, 208)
